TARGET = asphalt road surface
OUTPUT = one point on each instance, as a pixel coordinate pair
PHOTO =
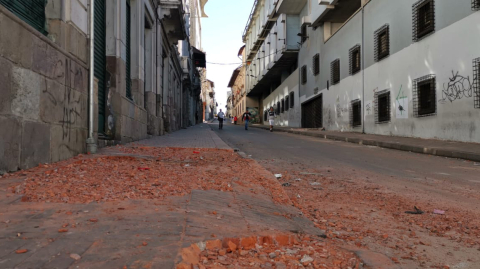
(451, 179)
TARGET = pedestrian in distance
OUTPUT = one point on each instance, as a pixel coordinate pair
(235, 119)
(221, 117)
(246, 118)
(271, 118)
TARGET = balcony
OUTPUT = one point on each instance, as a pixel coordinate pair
(277, 55)
(334, 11)
(290, 7)
(173, 18)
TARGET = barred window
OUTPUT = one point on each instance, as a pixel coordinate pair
(424, 96)
(382, 106)
(287, 103)
(304, 75)
(292, 100)
(316, 64)
(382, 43)
(355, 60)
(423, 19)
(335, 71)
(283, 105)
(356, 113)
(30, 11)
(476, 81)
(265, 115)
(278, 108)
(475, 4)
(304, 33)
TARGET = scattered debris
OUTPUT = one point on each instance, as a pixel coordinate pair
(63, 230)
(75, 256)
(306, 259)
(278, 175)
(298, 179)
(439, 212)
(286, 184)
(416, 212)
(315, 183)
(143, 168)
(21, 251)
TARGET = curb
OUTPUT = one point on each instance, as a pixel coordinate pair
(389, 145)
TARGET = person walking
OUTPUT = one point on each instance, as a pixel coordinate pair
(221, 117)
(246, 118)
(235, 119)
(271, 118)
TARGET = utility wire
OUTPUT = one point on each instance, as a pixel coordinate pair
(266, 56)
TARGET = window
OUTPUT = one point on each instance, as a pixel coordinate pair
(382, 106)
(304, 33)
(382, 43)
(283, 105)
(356, 113)
(355, 60)
(278, 108)
(30, 11)
(287, 103)
(128, 79)
(304, 75)
(475, 4)
(424, 96)
(292, 100)
(335, 71)
(476, 81)
(265, 115)
(423, 19)
(316, 64)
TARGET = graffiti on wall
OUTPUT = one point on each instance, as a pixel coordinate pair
(458, 87)
(368, 108)
(402, 104)
(255, 117)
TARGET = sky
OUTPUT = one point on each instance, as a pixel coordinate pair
(221, 39)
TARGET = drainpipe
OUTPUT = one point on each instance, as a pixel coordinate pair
(363, 67)
(91, 145)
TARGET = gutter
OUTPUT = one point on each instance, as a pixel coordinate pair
(91, 144)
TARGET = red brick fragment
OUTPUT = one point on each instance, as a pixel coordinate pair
(63, 230)
(21, 251)
(248, 242)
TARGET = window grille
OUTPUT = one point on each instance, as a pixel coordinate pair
(382, 106)
(304, 33)
(128, 79)
(283, 105)
(278, 108)
(355, 59)
(476, 81)
(475, 4)
(424, 96)
(292, 100)
(316, 64)
(356, 113)
(287, 103)
(304, 75)
(423, 19)
(382, 43)
(265, 116)
(335, 71)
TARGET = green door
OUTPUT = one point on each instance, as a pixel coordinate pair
(127, 60)
(100, 60)
(31, 11)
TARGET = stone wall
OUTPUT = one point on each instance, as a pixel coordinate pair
(43, 96)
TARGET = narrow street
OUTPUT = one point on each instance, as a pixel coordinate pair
(359, 194)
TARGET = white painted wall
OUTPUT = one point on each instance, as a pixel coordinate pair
(292, 117)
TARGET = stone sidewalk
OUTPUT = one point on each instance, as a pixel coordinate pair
(139, 233)
(467, 151)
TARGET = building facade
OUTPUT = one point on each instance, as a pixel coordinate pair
(403, 68)
(271, 53)
(141, 85)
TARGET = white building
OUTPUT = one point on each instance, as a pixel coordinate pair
(404, 68)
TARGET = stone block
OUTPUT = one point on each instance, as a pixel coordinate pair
(16, 42)
(26, 89)
(62, 105)
(10, 141)
(67, 143)
(35, 144)
(78, 77)
(49, 62)
(77, 43)
(153, 126)
(150, 103)
(138, 87)
(5, 87)
(56, 31)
